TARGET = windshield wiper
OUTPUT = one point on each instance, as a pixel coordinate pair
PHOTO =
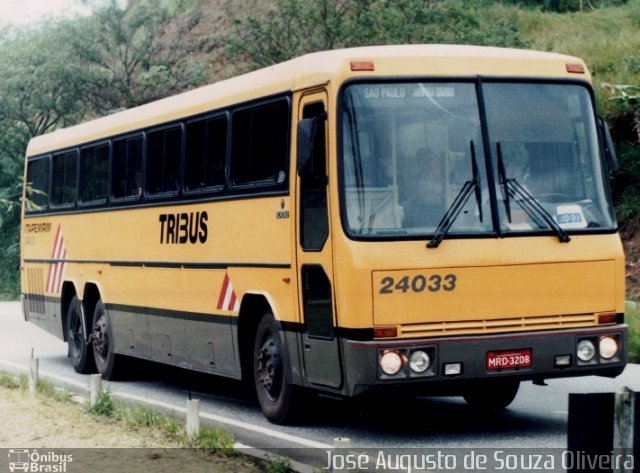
(513, 189)
(458, 203)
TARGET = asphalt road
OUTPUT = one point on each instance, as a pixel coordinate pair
(536, 419)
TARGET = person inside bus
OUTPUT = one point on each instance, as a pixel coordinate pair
(424, 188)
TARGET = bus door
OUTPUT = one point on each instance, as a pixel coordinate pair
(321, 355)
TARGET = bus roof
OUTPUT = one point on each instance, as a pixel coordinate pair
(316, 69)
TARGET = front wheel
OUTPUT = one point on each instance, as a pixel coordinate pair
(492, 395)
(106, 360)
(278, 398)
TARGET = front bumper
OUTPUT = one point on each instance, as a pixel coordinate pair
(363, 372)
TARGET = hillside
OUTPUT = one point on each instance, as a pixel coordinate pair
(75, 70)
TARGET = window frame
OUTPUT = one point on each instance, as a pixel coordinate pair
(64, 205)
(146, 160)
(215, 189)
(101, 201)
(184, 195)
(233, 160)
(47, 159)
(488, 162)
(134, 197)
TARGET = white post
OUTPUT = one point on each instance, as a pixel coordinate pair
(623, 428)
(193, 417)
(95, 387)
(34, 364)
(341, 448)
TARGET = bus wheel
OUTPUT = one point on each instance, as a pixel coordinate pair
(277, 397)
(492, 395)
(105, 358)
(79, 348)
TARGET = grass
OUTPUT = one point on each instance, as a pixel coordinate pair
(606, 38)
(213, 440)
(632, 317)
(136, 417)
(13, 382)
(44, 388)
(211, 450)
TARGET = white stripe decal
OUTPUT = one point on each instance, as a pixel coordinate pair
(57, 268)
(228, 299)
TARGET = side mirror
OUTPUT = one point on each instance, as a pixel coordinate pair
(310, 147)
(610, 156)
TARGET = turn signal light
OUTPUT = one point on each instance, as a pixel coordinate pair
(362, 66)
(575, 68)
(608, 318)
(385, 332)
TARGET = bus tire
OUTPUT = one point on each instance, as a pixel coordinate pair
(80, 350)
(494, 395)
(105, 358)
(278, 398)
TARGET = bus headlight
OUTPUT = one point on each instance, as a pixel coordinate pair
(608, 347)
(419, 361)
(390, 362)
(586, 350)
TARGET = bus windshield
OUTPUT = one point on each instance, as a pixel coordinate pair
(420, 156)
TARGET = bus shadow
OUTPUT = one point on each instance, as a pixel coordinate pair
(191, 383)
(437, 417)
(392, 416)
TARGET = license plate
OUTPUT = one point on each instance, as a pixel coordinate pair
(497, 360)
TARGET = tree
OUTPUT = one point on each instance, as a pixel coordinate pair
(277, 31)
(36, 96)
(135, 55)
(289, 28)
(76, 69)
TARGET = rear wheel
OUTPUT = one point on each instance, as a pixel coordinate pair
(492, 395)
(279, 399)
(80, 350)
(106, 360)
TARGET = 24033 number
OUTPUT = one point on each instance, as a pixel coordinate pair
(419, 283)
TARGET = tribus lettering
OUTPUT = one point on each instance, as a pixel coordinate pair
(183, 228)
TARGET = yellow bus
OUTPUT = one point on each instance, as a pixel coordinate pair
(426, 218)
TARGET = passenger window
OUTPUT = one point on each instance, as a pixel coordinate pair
(38, 172)
(164, 154)
(94, 174)
(65, 178)
(259, 144)
(206, 152)
(126, 170)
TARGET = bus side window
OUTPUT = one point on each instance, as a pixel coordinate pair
(260, 136)
(94, 174)
(65, 178)
(38, 172)
(126, 171)
(206, 151)
(164, 155)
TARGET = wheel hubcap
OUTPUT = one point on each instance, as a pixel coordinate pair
(269, 369)
(100, 337)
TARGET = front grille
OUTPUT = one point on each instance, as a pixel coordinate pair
(516, 324)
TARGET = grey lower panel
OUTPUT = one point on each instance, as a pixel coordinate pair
(50, 320)
(201, 343)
